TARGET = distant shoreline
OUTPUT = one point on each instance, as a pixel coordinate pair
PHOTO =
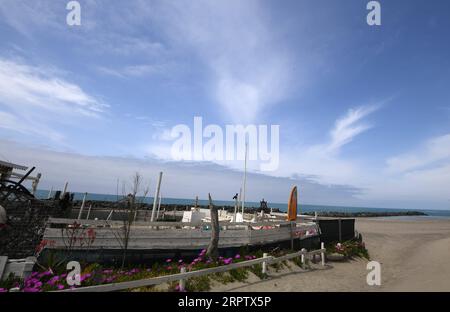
(365, 214)
(351, 211)
(99, 204)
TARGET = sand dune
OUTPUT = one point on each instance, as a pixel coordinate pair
(414, 256)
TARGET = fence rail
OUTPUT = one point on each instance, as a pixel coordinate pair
(181, 277)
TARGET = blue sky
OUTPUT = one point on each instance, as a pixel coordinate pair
(364, 112)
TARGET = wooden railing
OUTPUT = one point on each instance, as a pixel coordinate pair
(181, 277)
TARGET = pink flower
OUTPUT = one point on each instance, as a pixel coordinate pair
(169, 260)
(3, 290)
(60, 287)
(53, 280)
(85, 277)
(238, 256)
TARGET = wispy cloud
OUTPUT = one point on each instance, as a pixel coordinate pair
(323, 160)
(26, 85)
(36, 95)
(181, 179)
(134, 71)
(249, 71)
(432, 152)
(349, 126)
(10, 122)
(26, 17)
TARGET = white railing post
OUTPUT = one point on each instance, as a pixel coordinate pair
(182, 283)
(322, 254)
(264, 264)
(82, 206)
(303, 255)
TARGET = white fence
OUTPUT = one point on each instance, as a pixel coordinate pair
(181, 277)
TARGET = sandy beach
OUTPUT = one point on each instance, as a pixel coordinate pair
(414, 256)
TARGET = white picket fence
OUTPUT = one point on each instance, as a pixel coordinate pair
(183, 275)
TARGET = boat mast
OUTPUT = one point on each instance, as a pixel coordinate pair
(245, 177)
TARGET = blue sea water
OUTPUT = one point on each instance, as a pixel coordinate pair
(283, 207)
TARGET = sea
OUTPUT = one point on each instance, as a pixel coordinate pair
(43, 194)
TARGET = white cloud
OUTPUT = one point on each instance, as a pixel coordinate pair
(434, 150)
(249, 69)
(349, 126)
(133, 71)
(181, 180)
(10, 122)
(28, 16)
(323, 160)
(38, 96)
(23, 85)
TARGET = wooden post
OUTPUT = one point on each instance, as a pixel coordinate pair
(245, 178)
(303, 255)
(89, 212)
(322, 254)
(264, 264)
(213, 248)
(235, 208)
(35, 183)
(65, 190)
(3, 262)
(82, 206)
(196, 202)
(182, 283)
(240, 199)
(155, 198)
(110, 215)
(292, 237)
(340, 230)
(159, 207)
(50, 193)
